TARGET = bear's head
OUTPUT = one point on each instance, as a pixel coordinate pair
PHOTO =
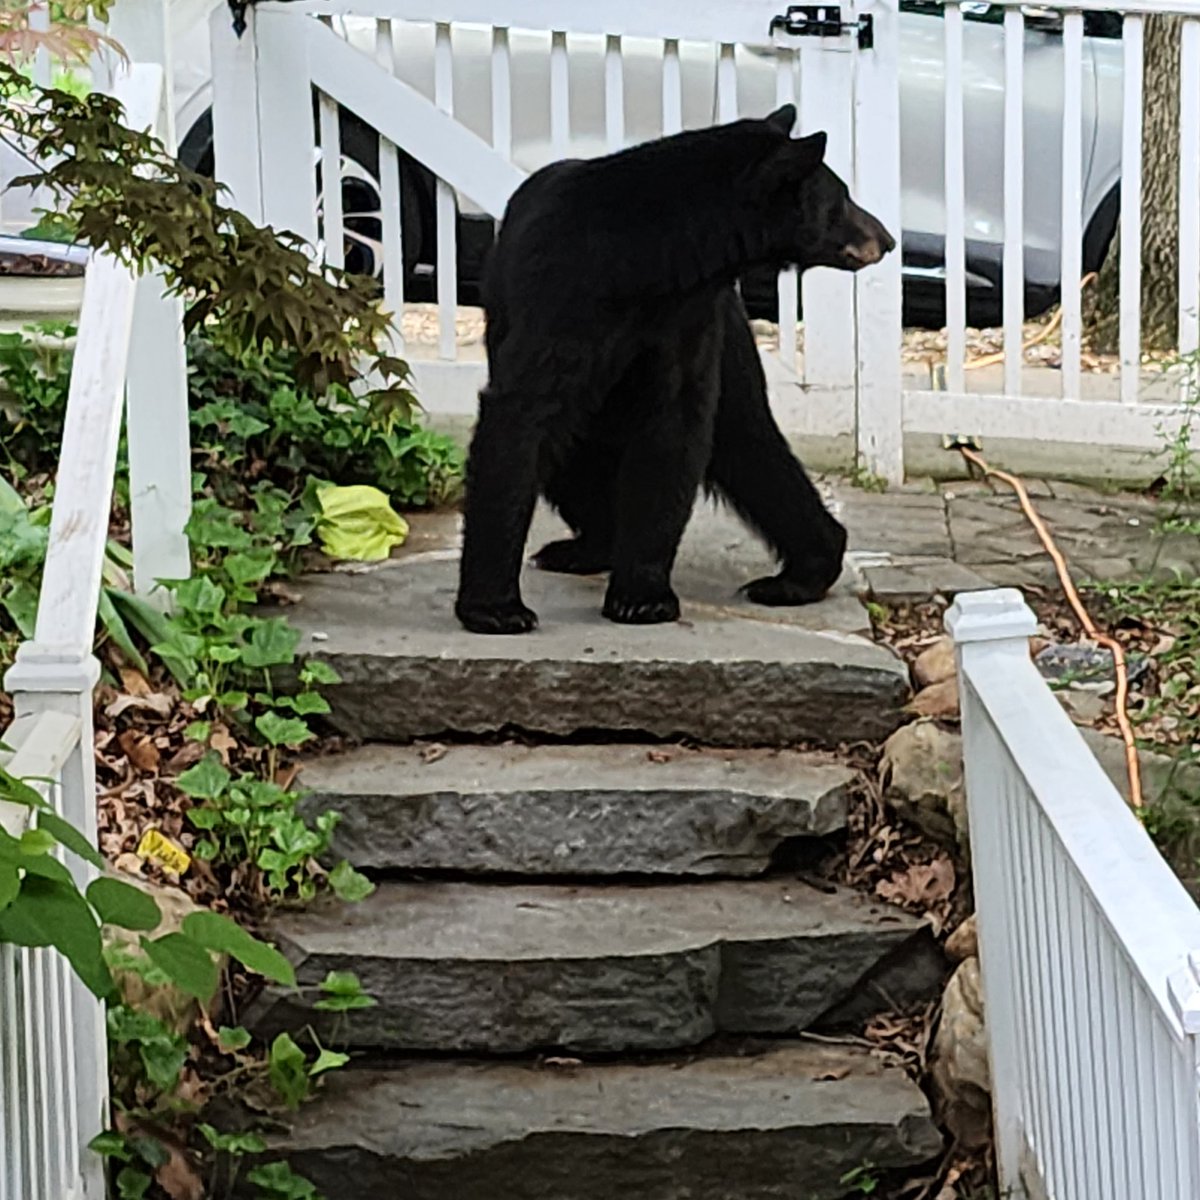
(809, 217)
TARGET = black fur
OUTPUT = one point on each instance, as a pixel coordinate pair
(623, 374)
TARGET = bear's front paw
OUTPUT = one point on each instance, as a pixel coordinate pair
(640, 608)
(776, 591)
(509, 617)
(572, 556)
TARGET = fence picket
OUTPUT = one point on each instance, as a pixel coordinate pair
(1130, 267)
(1014, 199)
(447, 209)
(1189, 188)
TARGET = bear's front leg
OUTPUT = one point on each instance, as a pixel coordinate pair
(660, 473)
(501, 490)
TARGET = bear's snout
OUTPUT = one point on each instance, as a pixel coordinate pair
(869, 241)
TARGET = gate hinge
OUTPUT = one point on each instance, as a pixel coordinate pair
(823, 21)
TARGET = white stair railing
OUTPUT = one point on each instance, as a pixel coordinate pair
(1087, 942)
(128, 361)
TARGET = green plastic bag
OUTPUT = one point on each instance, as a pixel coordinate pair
(358, 523)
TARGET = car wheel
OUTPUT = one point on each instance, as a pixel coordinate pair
(361, 197)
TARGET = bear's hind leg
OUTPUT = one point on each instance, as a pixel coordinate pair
(500, 494)
(582, 492)
(754, 469)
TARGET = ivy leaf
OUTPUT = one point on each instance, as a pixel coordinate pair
(232, 1143)
(218, 933)
(207, 780)
(121, 904)
(50, 912)
(111, 1144)
(320, 673)
(282, 731)
(349, 884)
(272, 644)
(328, 1060)
(277, 1181)
(132, 1184)
(188, 965)
(288, 1071)
(231, 1038)
(343, 993)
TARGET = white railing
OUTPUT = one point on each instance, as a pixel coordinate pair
(128, 361)
(1094, 144)
(53, 1081)
(1088, 942)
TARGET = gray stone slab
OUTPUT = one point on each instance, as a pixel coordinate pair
(792, 1122)
(920, 579)
(738, 675)
(505, 969)
(574, 810)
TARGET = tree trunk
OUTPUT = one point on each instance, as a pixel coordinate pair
(1160, 205)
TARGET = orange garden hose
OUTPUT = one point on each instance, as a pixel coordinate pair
(991, 360)
(1117, 650)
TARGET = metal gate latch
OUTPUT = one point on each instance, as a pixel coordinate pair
(823, 21)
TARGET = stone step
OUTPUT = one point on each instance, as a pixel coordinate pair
(790, 1123)
(574, 810)
(509, 968)
(730, 673)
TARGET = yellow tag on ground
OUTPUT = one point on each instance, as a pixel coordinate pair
(159, 849)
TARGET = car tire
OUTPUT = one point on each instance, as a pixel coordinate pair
(361, 197)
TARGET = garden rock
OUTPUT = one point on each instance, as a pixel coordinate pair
(935, 663)
(959, 1070)
(963, 943)
(939, 700)
(922, 774)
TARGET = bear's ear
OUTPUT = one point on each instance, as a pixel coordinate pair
(809, 152)
(783, 119)
(796, 159)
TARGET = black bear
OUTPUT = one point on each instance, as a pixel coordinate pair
(623, 374)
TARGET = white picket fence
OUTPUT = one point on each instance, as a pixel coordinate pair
(128, 362)
(1090, 947)
(418, 84)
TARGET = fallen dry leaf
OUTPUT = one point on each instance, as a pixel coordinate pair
(659, 756)
(134, 682)
(178, 1177)
(222, 742)
(156, 702)
(922, 886)
(434, 752)
(139, 749)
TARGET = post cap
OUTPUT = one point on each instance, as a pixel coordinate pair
(993, 616)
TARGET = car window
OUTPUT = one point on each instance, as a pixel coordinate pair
(1095, 24)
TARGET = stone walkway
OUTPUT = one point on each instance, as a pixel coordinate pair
(927, 539)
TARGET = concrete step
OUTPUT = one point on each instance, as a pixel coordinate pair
(575, 810)
(791, 1123)
(510, 968)
(730, 673)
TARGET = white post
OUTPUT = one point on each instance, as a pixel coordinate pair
(143, 29)
(287, 146)
(236, 134)
(156, 417)
(877, 290)
(989, 627)
(55, 679)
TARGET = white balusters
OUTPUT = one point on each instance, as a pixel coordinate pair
(1072, 205)
(447, 235)
(391, 200)
(955, 207)
(1189, 188)
(672, 88)
(560, 95)
(1130, 267)
(614, 94)
(1014, 198)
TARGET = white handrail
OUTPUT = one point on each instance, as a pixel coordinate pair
(1087, 941)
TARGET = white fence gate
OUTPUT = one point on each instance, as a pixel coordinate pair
(570, 78)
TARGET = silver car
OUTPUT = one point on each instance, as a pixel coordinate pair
(922, 49)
